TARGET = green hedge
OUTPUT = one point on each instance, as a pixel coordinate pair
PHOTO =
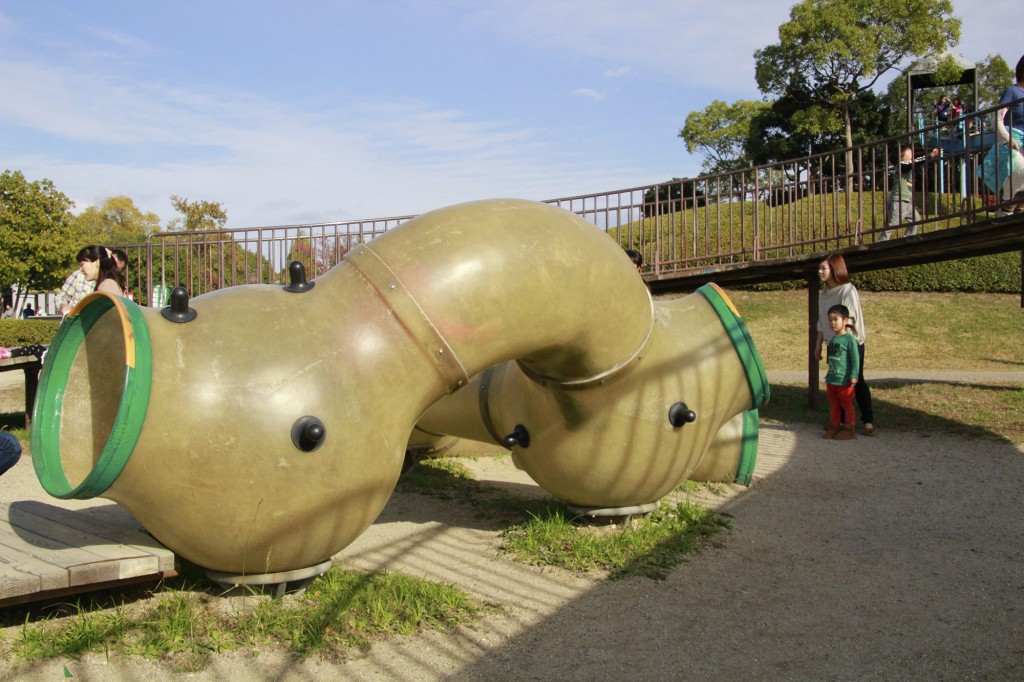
(14, 333)
(996, 274)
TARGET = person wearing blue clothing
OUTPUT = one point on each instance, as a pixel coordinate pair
(10, 451)
(1004, 164)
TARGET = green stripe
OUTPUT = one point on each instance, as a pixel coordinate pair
(748, 447)
(757, 378)
(131, 412)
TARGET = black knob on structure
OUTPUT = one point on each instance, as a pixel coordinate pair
(179, 310)
(297, 274)
(680, 415)
(308, 433)
(519, 436)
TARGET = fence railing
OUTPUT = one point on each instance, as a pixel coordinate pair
(808, 204)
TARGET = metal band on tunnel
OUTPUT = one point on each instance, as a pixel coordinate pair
(131, 411)
(757, 378)
(409, 314)
(600, 377)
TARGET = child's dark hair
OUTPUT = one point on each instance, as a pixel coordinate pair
(635, 256)
(841, 310)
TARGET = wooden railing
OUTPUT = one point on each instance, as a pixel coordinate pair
(809, 204)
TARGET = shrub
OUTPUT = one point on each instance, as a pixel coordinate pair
(14, 333)
(995, 274)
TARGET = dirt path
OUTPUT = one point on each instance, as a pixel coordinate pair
(895, 557)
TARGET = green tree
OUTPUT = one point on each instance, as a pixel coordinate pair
(775, 133)
(994, 76)
(37, 233)
(719, 132)
(197, 215)
(116, 221)
(831, 50)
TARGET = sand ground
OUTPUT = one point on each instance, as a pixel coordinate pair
(899, 557)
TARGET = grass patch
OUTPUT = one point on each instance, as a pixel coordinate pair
(14, 422)
(947, 332)
(973, 411)
(440, 477)
(542, 532)
(647, 546)
(340, 611)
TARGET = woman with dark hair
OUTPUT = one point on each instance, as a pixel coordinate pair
(109, 277)
(834, 274)
(77, 286)
(100, 270)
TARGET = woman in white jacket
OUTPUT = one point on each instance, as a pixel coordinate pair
(840, 291)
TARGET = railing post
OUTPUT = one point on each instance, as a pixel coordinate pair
(813, 287)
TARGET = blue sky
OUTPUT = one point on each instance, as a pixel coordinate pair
(304, 111)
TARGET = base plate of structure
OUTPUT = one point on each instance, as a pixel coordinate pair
(276, 583)
(612, 514)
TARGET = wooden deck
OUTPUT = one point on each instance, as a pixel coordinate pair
(48, 551)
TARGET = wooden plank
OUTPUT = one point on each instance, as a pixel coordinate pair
(45, 555)
(136, 550)
(49, 552)
(13, 582)
(17, 566)
(130, 562)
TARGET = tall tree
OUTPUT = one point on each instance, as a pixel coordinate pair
(37, 233)
(116, 221)
(778, 133)
(719, 132)
(197, 215)
(831, 50)
(994, 76)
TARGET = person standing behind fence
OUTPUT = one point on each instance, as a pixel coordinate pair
(957, 108)
(942, 109)
(901, 195)
(840, 291)
(121, 258)
(77, 286)
(109, 276)
(1003, 168)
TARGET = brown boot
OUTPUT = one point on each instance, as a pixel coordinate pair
(845, 433)
(831, 430)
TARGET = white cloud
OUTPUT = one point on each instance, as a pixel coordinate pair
(270, 162)
(590, 93)
(697, 44)
(619, 72)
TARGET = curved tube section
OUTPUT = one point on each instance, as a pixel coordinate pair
(612, 443)
(267, 430)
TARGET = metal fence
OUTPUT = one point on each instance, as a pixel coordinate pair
(809, 204)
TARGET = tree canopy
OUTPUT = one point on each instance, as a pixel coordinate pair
(116, 221)
(37, 233)
(831, 50)
(720, 131)
(197, 215)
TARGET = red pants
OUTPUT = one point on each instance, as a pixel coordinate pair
(840, 402)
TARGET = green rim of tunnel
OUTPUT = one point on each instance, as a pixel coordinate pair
(748, 447)
(53, 382)
(757, 378)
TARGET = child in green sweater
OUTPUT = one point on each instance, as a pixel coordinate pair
(843, 369)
